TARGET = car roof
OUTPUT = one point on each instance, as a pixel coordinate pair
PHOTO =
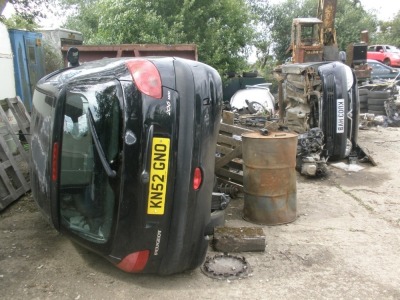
(377, 62)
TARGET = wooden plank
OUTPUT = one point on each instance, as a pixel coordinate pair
(223, 139)
(13, 182)
(7, 183)
(22, 117)
(5, 164)
(236, 177)
(233, 129)
(14, 164)
(220, 162)
(236, 164)
(10, 130)
(228, 117)
(231, 149)
(223, 150)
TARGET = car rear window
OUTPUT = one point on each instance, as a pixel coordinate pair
(90, 146)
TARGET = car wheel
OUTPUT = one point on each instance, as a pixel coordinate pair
(386, 61)
(250, 74)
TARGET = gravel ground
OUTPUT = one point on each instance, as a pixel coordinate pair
(344, 244)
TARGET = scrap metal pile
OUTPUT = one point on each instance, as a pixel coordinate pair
(325, 113)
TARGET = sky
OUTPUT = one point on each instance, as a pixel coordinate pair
(385, 9)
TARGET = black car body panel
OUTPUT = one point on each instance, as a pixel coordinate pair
(340, 109)
(115, 168)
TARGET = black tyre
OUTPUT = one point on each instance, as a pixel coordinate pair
(376, 107)
(373, 101)
(217, 219)
(386, 61)
(362, 92)
(363, 98)
(250, 74)
(377, 112)
(378, 95)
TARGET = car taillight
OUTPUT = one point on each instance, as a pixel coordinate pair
(197, 178)
(134, 262)
(146, 77)
(54, 162)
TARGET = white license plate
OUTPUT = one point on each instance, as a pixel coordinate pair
(340, 116)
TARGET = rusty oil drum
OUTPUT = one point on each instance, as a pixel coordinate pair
(269, 177)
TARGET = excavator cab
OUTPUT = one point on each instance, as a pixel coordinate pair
(314, 39)
(306, 41)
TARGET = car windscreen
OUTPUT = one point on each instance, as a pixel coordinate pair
(90, 147)
(392, 49)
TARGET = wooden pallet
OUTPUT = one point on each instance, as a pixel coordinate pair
(228, 163)
(14, 158)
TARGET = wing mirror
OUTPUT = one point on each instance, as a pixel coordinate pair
(73, 57)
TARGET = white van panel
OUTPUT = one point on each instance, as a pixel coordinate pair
(7, 89)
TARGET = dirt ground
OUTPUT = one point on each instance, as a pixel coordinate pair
(344, 244)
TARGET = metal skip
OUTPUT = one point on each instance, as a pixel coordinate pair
(269, 177)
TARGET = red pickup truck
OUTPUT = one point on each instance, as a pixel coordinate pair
(389, 55)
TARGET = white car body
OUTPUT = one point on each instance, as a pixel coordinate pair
(255, 93)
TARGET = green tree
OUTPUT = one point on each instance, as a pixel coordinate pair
(351, 20)
(28, 10)
(280, 20)
(83, 16)
(17, 21)
(221, 29)
(388, 33)
(262, 41)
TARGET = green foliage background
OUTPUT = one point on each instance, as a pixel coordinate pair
(221, 29)
(225, 31)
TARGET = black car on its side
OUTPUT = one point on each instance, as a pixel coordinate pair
(122, 158)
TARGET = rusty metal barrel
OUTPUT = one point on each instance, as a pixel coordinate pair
(269, 177)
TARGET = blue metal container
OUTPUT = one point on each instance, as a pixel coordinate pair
(28, 62)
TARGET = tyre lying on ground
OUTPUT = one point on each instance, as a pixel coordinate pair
(376, 101)
(363, 93)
